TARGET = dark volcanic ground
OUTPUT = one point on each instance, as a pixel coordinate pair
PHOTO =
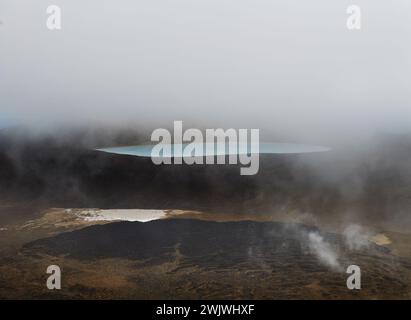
(206, 244)
(182, 258)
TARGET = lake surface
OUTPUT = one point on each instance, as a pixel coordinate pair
(177, 150)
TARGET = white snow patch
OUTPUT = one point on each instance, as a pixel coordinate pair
(141, 215)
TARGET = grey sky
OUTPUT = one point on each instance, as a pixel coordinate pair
(290, 68)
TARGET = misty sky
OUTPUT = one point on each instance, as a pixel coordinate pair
(290, 68)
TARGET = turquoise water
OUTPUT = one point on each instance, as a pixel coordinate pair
(219, 149)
